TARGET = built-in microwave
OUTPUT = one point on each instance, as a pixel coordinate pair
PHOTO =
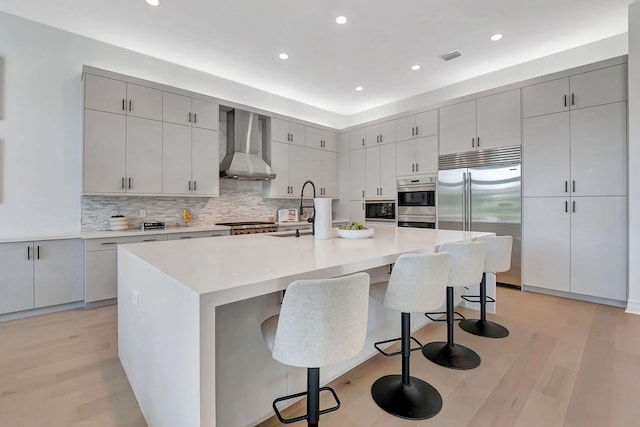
(380, 210)
(417, 202)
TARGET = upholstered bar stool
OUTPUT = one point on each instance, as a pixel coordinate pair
(465, 268)
(321, 322)
(417, 284)
(497, 260)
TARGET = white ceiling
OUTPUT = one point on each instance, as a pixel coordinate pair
(240, 39)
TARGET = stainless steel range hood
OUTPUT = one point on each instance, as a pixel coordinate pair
(242, 160)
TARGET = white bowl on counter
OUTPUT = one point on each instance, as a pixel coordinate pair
(355, 234)
(118, 223)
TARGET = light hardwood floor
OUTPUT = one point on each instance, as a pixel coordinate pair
(566, 363)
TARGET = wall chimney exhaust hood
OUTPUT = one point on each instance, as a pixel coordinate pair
(242, 160)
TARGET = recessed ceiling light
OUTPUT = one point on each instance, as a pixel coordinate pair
(153, 2)
(496, 37)
(359, 88)
(283, 56)
(415, 67)
(341, 19)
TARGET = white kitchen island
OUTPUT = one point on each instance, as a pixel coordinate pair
(189, 313)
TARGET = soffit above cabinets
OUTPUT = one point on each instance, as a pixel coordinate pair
(375, 49)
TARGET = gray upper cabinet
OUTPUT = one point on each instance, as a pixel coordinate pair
(603, 86)
(356, 139)
(381, 133)
(188, 111)
(417, 125)
(105, 94)
(321, 139)
(489, 122)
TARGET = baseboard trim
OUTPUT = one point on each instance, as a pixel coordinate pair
(579, 297)
(39, 311)
(633, 307)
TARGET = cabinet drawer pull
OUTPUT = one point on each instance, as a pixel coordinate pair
(129, 105)
(574, 185)
(108, 243)
(195, 117)
(566, 206)
(150, 240)
(565, 100)
(186, 237)
(574, 206)
(28, 253)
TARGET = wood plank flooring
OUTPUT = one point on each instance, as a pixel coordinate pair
(565, 363)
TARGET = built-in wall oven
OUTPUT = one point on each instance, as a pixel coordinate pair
(417, 202)
(380, 210)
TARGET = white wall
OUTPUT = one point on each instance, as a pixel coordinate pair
(41, 117)
(634, 159)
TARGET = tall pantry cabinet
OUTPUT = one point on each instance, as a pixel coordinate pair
(574, 184)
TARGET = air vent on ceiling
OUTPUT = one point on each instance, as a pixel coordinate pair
(451, 55)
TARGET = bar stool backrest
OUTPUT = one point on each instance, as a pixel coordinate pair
(498, 256)
(322, 321)
(418, 282)
(467, 262)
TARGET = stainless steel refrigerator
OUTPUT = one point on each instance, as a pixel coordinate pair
(483, 198)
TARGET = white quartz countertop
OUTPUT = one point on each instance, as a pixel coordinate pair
(231, 262)
(39, 237)
(139, 232)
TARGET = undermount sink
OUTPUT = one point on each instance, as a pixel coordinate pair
(291, 233)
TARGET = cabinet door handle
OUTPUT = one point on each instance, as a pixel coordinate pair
(413, 131)
(150, 240)
(566, 186)
(123, 108)
(28, 253)
(195, 117)
(574, 185)
(38, 252)
(129, 182)
(195, 184)
(189, 185)
(417, 165)
(189, 117)
(565, 100)
(363, 142)
(566, 206)
(478, 140)
(574, 206)
(123, 182)
(380, 138)
(413, 167)
(573, 99)
(416, 130)
(185, 237)
(363, 194)
(129, 105)
(108, 243)
(473, 142)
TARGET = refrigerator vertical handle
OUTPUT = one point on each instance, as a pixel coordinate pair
(464, 201)
(469, 205)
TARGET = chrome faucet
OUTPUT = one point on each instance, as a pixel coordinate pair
(312, 220)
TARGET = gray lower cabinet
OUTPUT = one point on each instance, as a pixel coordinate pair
(38, 274)
(101, 262)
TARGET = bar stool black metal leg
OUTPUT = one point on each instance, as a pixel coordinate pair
(482, 326)
(403, 395)
(449, 354)
(313, 397)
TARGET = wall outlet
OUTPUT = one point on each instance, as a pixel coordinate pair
(143, 213)
(135, 298)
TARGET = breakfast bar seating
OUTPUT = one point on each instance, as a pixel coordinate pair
(321, 322)
(417, 284)
(467, 262)
(497, 260)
